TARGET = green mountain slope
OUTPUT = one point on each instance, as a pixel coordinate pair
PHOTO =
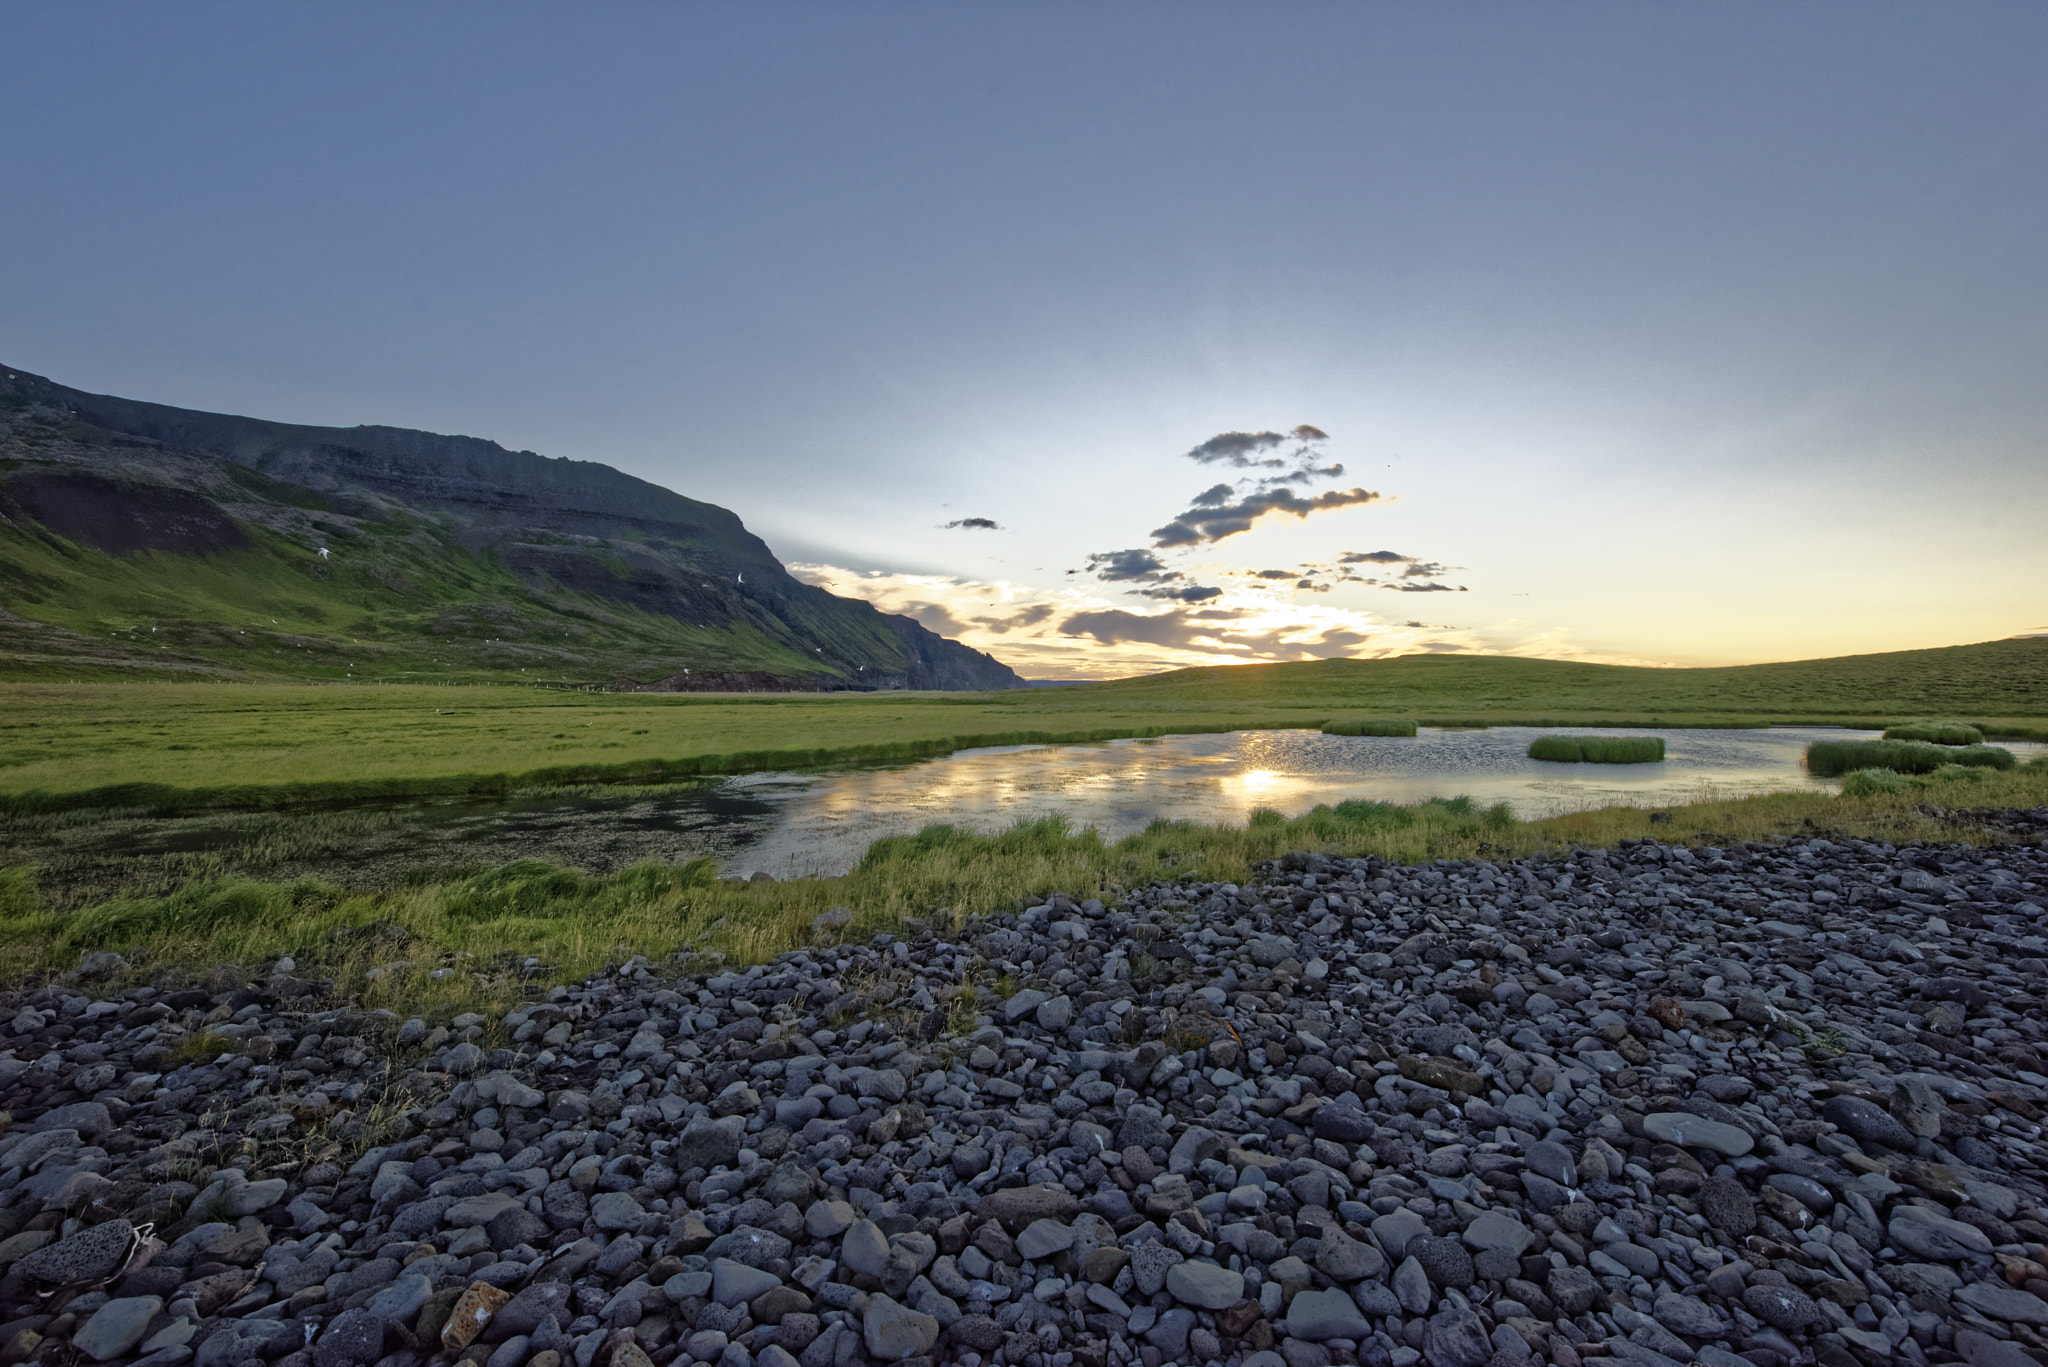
(138, 540)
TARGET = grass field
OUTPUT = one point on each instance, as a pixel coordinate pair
(479, 932)
(195, 744)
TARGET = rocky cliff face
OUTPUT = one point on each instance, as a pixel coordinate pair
(123, 478)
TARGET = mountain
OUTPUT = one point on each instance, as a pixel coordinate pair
(142, 540)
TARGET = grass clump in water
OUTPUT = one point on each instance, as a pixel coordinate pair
(1598, 749)
(1936, 733)
(1833, 758)
(1370, 726)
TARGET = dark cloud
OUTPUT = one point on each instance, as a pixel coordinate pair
(1274, 574)
(1307, 474)
(1373, 558)
(1312, 586)
(1207, 523)
(980, 524)
(1241, 449)
(1215, 496)
(1442, 647)
(1029, 617)
(1190, 593)
(1426, 569)
(1115, 626)
(1219, 614)
(1430, 586)
(935, 617)
(1134, 566)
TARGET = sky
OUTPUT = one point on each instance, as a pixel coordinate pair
(1617, 332)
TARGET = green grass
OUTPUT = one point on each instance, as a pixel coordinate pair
(1936, 733)
(479, 931)
(167, 746)
(1598, 749)
(1370, 726)
(1832, 758)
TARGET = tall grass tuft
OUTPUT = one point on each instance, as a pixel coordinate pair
(1833, 758)
(1598, 749)
(1370, 726)
(1936, 733)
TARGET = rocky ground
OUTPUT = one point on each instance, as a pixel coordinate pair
(1743, 1107)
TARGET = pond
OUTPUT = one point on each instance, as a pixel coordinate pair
(790, 824)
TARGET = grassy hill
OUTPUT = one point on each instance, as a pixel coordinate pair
(142, 541)
(243, 744)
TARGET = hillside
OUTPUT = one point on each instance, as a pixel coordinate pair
(1990, 679)
(143, 541)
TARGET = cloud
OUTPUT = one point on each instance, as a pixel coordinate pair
(1428, 587)
(1118, 627)
(1373, 558)
(980, 524)
(1132, 566)
(1029, 617)
(1427, 569)
(1206, 523)
(1274, 574)
(1240, 449)
(1191, 593)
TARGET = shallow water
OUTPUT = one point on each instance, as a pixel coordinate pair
(788, 824)
(825, 821)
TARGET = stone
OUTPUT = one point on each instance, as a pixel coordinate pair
(1981, 1350)
(1444, 1260)
(829, 1219)
(1150, 1262)
(1043, 1238)
(523, 1313)
(1204, 1285)
(1319, 1315)
(893, 1332)
(400, 1302)
(1865, 1122)
(1341, 1124)
(1997, 1301)
(1342, 1258)
(89, 1119)
(1727, 1205)
(1411, 1286)
(1495, 1230)
(1019, 1206)
(93, 1254)
(865, 1249)
(353, 1338)
(735, 1283)
(1781, 1307)
(116, 1327)
(511, 1228)
(1456, 1338)
(1572, 1289)
(616, 1210)
(1687, 1130)
(1918, 1107)
(1398, 1229)
(707, 1143)
(238, 1341)
(1548, 1158)
(1920, 1231)
(1689, 1315)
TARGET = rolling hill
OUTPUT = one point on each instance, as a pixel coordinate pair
(144, 541)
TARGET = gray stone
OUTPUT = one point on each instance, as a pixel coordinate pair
(1982, 1350)
(1572, 1288)
(735, 1283)
(1043, 1238)
(1319, 1315)
(1411, 1285)
(1445, 1260)
(528, 1309)
(893, 1332)
(1395, 1231)
(1456, 1338)
(1056, 1014)
(1728, 1206)
(1920, 1231)
(351, 1339)
(865, 1249)
(473, 1211)
(1997, 1301)
(1169, 1333)
(1689, 1315)
(1781, 1307)
(707, 1143)
(1726, 1088)
(91, 1255)
(1918, 1107)
(614, 1211)
(1195, 1145)
(1150, 1262)
(240, 1340)
(1342, 1258)
(1687, 1130)
(400, 1302)
(511, 1228)
(1548, 1158)
(1497, 1230)
(116, 1327)
(1205, 1285)
(829, 1219)
(90, 1119)
(1866, 1122)
(1023, 1004)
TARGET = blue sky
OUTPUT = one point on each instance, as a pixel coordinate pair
(1662, 333)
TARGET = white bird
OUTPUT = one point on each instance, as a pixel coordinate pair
(742, 578)
(323, 552)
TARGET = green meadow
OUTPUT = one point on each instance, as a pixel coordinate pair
(259, 744)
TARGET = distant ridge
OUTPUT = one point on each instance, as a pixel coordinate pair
(448, 558)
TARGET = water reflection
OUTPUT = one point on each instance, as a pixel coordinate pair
(1121, 786)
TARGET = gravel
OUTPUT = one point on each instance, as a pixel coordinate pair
(1747, 1107)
